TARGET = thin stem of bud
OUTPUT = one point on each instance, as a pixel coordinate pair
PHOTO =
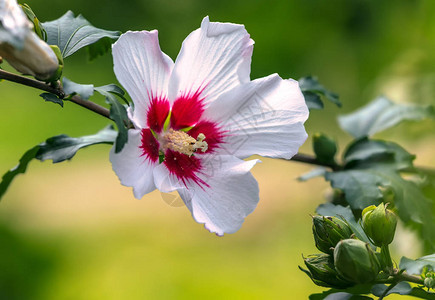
(386, 259)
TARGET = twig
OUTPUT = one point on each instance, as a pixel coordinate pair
(308, 159)
(57, 91)
(408, 277)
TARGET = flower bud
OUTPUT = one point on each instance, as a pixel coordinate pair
(322, 271)
(21, 47)
(379, 223)
(328, 231)
(429, 282)
(355, 261)
(324, 147)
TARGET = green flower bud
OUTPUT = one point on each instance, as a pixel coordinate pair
(379, 223)
(355, 261)
(322, 271)
(429, 277)
(328, 231)
(324, 147)
(429, 282)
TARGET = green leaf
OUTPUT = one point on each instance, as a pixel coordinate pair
(329, 209)
(381, 114)
(365, 187)
(317, 172)
(71, 33)
(118, 114)
(353, 293)
(312, 100)
(62, 147)
(416, 266)
(422, 294)
(361, 187)
(325, 148)
(99, 48)
(49, 97)
(71, 88)
(402, 288)
(19, 169)
(113, 89)
(365, 153)
(58, 149)
(312, 90)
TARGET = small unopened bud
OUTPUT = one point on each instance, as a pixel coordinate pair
(379, 223)
(429, 277)
(323, 273)
(429, 282)
(328, 231)
(355, 261)
(324, 147)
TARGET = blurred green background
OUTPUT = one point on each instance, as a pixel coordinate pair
(71, 231)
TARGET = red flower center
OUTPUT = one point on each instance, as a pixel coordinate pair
(178, 137)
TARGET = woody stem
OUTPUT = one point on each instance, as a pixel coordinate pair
(57, 90)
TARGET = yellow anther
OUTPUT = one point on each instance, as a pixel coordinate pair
(182, 142)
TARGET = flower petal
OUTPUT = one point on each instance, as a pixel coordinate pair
(149, 145)
(142, 69)
(263, 117)
(231, 195)
(212, 60)
(158, 111)
(166, 181)
(185, 168)
(132, 167)
(186, 111)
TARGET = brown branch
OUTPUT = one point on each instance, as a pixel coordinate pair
(58, 91)
(308, 159)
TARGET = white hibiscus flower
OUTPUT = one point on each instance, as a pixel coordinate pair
(198, 118)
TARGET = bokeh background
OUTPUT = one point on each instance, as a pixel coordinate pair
(71, 231)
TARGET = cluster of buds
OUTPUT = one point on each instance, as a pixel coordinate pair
(347, 261)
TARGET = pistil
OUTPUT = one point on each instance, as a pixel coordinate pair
(182, 142)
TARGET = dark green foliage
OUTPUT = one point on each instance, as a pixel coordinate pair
(118, 113)
(49, 97)
(62, 147)
(19, 169)
(58, 149)
(313, 91)
(325, 148)
(365, 153)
